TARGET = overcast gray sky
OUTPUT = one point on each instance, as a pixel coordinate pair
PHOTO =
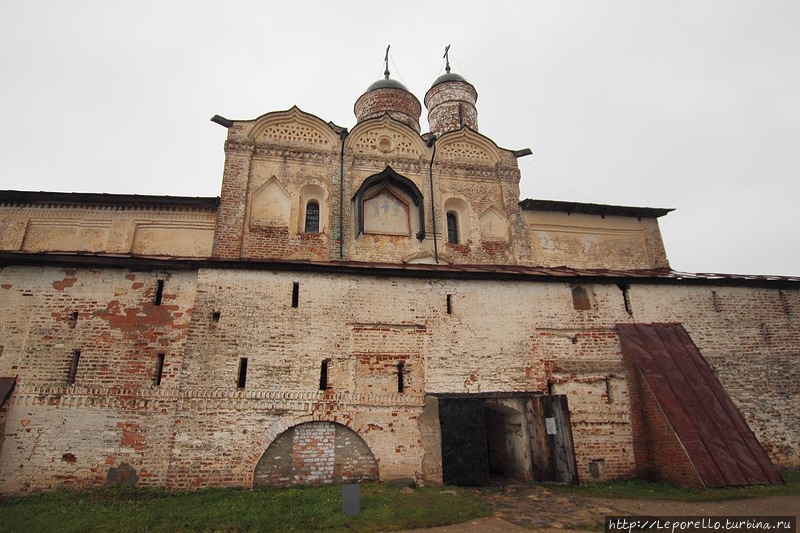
(687, 104)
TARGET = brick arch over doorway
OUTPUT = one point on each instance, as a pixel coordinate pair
(316, 453)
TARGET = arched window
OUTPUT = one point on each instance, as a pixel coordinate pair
(311, 209)
(457, 221)
(452, 227)
(312, 217)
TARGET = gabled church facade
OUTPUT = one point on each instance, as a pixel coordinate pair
(376, 303)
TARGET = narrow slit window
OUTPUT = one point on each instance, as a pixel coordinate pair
(159, 369)
(323, 375)
(452, 227)
(295, 294)
(73, 319)
(159, 292)
(401, 376)
(609, 391)
(784, 303)
(449, 302)
(715, 301)
(215, 317)
(765, 333)
(242, 380)
(626, 297)
(73, 367)
(312, 217)
(580, 299)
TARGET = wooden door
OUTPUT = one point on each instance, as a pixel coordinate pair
(552, 450)
(465, 453)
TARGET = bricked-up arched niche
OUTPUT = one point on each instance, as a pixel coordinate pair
(383, 200)
(316, 453)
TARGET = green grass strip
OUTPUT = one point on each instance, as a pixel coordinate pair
(221, 510)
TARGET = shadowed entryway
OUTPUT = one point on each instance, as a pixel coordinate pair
(515, 437)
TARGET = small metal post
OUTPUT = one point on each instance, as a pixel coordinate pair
(351, 498)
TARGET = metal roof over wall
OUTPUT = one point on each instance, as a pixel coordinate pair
(6, 386)
(104, 199)
(404, 270)
(715, 435)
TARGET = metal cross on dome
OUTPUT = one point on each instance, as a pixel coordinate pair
(446, 57)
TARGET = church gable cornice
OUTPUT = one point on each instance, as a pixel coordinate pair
(386, 137)
(293, 127)
(469, 147)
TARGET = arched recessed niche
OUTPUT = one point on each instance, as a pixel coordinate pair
(457, 221)
(313, 213)
(389, 204)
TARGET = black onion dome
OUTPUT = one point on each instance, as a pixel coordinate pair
(386, 84)
(450, 76)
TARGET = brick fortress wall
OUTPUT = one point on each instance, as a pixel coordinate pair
(202, 426)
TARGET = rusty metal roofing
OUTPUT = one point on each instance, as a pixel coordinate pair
(415, 270)
(593, 209)
(6, 386)
(715, 435)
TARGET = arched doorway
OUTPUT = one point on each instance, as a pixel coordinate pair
(316, 453)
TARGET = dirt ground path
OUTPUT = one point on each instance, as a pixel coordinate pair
(773, 506)
(526, 508)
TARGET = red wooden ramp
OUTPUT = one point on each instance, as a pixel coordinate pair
(717, 440)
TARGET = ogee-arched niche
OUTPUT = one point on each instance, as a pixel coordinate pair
(389, 204)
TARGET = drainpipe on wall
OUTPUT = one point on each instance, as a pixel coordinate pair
(432, 142)
(342, 136)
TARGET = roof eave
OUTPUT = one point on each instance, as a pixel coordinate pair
(127, 200)
(593, 209)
